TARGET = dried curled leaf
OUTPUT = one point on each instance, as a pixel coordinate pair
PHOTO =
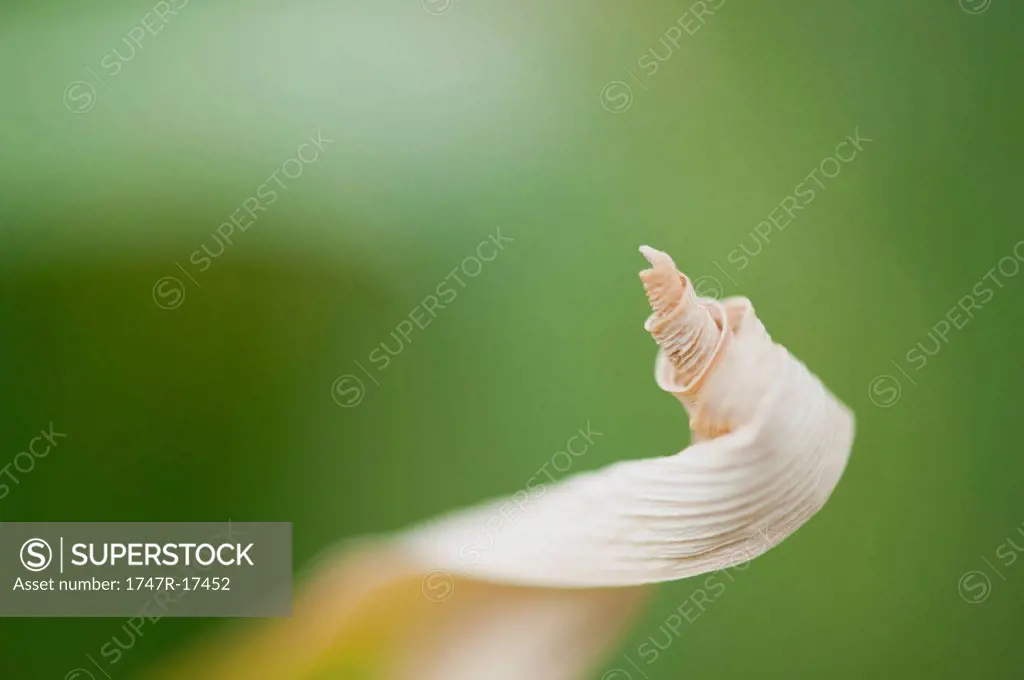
(549, 597)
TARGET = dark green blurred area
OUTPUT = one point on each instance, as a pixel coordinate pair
(491, 114)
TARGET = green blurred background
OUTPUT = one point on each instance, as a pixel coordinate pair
(450, 120)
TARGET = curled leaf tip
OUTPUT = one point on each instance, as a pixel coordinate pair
(661, 282)
(655, 256)
(682, 326)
